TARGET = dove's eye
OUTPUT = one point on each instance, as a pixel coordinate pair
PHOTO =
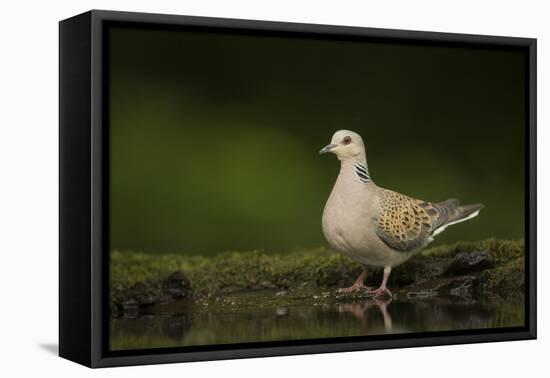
(347, 140)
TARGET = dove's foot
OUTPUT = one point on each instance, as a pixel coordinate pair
(381, 291)
(358, 286)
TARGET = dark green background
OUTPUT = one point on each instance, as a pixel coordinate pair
(214, 138)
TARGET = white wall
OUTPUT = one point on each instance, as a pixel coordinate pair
(28, 185)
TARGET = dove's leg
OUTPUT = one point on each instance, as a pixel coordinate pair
(357, 285)
(383, 288)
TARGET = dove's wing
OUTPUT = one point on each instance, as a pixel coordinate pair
(404, 223)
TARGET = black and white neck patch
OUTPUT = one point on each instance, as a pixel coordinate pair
(362, 172)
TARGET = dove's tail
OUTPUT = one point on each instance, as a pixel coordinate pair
(451, 212)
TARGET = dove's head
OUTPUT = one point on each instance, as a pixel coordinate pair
(346, 145)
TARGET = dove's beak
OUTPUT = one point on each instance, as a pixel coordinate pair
(328, 148)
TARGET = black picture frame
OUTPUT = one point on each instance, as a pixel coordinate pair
(84, 203)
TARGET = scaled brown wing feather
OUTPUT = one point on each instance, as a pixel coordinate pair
(404, 223)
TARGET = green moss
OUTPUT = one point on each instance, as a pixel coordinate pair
(319, 267)
(508, 279)
(500, 250)
(232, 270)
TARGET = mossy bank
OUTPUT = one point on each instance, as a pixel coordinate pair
(493, 268)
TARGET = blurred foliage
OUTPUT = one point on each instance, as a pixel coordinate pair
(214, 138)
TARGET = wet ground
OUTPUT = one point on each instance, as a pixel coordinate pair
(270, 315)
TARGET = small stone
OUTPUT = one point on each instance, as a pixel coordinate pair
(267, 284)
(421, 294)
(139, 293)
(130, 307)
(469, 262)
(285, 282)
(463, 288)
(177, 285)
(229, 289)
(281, 311)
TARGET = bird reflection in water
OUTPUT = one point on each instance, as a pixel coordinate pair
(363, 311)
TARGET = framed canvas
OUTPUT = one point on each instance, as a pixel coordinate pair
(234, 188)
